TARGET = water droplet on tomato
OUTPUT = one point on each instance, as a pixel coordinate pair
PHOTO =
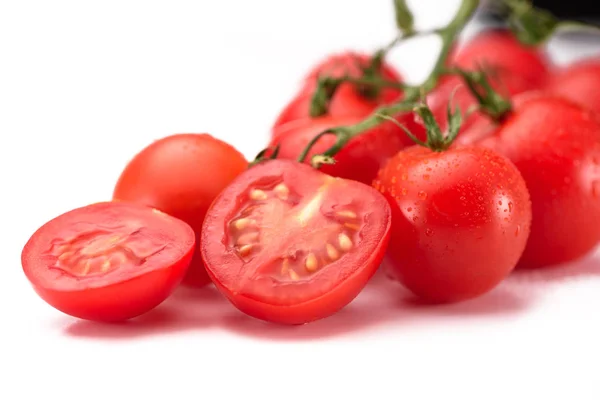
(426, 177)
(404, 191)
(510, 206)
(429, 232)
(422, 195)
(518, 230)
(404, 177)
(394, 179)
(409, 209)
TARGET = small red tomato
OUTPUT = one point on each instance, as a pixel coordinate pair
(108, 261)
(289, 244)
(556, 146)
(513, 69)
(579, 82)
(181, 175)
(348, 100)
(517, 67)
(362, 156)
(460, 220)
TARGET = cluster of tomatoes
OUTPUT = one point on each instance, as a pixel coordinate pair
(288, 243)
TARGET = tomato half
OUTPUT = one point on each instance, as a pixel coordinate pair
(579, 82)
(289, 244)
(181, 175)
(362, 156)
(108, 261)
(460, 220)
(348, 100)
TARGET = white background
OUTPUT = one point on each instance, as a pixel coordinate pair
(84, 85)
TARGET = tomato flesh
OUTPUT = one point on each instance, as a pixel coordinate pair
(108, 261)
(291, 244)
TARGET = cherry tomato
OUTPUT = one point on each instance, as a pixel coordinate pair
(556, 146)
(517, 67)
(579, 82)
(108, 261)
(514, 69)
(289, 244)
(181, 175)
(347, 101)
(460, 220)
(359, 160)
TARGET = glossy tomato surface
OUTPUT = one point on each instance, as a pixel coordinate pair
(289, 244)
(181, 175)
(362, 156)
(348, 99)
(580, 83)
(556, 146)
(108, 261)
(460, 220)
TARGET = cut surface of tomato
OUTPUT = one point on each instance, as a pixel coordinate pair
(291, 244)
(108, 261)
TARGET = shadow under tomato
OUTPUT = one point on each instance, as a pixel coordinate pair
(585, 267)
(186, 309)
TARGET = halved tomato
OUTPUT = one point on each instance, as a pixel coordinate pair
(289, 244)
(108, 261)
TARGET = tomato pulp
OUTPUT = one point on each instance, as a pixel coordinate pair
(289, 244)
(460, 220)
(181, 175)
(108, 261)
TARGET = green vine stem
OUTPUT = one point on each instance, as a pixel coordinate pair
(343, 135)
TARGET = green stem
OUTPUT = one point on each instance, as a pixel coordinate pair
(448, 35)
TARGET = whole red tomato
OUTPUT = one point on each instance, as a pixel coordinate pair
(289, 244)
(555, 144)
(512, 69)
(579, 82)
(181, 175)
(362, 156)
(348, 99)
(460, 220)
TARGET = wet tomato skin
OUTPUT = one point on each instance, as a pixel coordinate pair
(124, 292)
(556, 146)
(256, 283)
(460, 220)
(181, 175)
(362, 156)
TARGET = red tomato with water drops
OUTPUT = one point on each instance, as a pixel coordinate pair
(348, 100)
(289, 244)
(359, 160)
(580, 83)
(108, 261)
(181, 175)
(460, 220)
(556, 146)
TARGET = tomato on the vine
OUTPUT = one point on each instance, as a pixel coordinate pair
(289, 244)
(555, 144)
(348, 100)
(359, 159)
(579, 82)
(460, 220)
(181, 175)
(108, 261)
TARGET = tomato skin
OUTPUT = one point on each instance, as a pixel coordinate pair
(303, 301)
(556, 146)
(580, 83)
(181, 175)
(518, 67)
(460, 220)
(359, 160)
(117, 296)
(347, 101)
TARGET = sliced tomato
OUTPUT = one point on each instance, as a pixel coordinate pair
(108, 261)
(289, 244)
